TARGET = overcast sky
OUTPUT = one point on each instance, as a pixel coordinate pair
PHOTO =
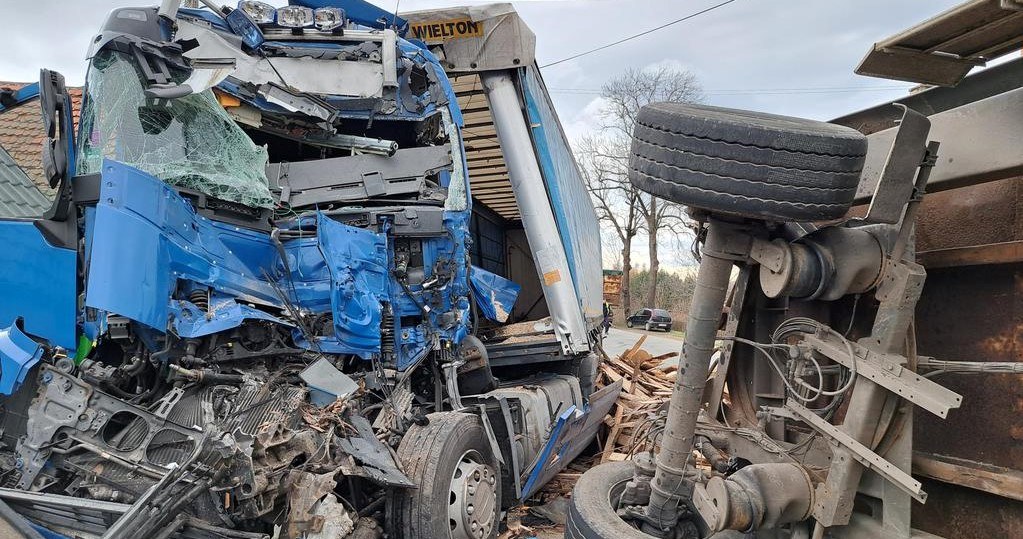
(787, 56)
(791, 57)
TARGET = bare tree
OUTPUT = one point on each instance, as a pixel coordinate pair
(614, 198)
(623, 97)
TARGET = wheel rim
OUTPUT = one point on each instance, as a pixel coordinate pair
(472, 501)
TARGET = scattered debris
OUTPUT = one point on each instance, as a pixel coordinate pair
(555, 510)
(647, 385)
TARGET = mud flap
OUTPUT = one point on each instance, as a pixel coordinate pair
(571, 434)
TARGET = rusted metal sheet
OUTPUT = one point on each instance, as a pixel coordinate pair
(979, 215)
(959, 513)
(974, 313)
(972, 309)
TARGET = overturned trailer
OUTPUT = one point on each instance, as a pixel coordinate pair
(291, 284)
(878, 267)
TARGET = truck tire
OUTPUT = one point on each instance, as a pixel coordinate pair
(458, 479)
(744, 163)
(591, 514)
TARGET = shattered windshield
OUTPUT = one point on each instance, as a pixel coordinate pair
(188, 142)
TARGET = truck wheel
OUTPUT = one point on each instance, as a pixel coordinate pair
(457, 475)
(745, 163)
(646, 327)
(591, 514)
(628, 323)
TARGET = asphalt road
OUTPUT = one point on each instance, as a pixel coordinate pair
(657, 343)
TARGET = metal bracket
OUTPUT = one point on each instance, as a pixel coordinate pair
(860, 452)
(896, 182)
(491, 437)
(770, 254)
(887, 371)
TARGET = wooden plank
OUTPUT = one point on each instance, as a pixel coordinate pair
(1008, 252)
(1004, 482)
(609, 446)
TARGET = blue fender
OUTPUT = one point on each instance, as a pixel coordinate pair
(18, 354)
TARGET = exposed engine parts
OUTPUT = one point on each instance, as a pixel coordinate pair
(239, 445)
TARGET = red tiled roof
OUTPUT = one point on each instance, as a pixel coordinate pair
(21, 133)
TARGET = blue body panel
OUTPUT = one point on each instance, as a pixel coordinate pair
(38, 284)
(357, 260)
(494, 295)
(23, 94)
(18, 354)
(145, 241)
(146, 237)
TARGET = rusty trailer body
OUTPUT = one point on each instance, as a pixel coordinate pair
(970, 240)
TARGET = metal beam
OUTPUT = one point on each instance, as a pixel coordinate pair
(986, 83)
(1004, 482)
(980, 142)
(1008, 252)
(860, 452)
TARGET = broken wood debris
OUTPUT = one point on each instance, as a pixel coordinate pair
(646, 388)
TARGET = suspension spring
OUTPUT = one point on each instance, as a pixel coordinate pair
(387, 333)
(201, 299)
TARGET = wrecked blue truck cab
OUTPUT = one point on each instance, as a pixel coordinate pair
(296, 277)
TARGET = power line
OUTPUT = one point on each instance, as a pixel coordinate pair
(754, 91)
(620, 41)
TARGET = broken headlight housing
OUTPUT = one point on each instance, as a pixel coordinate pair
(325, 19)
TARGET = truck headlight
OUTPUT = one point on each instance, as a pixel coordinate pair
(328, 18)
(295, 17)
(260, 12)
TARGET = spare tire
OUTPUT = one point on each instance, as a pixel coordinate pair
(745, 163)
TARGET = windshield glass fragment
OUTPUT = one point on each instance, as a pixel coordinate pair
(188, 142)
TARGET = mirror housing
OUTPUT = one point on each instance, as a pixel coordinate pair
(58, 146)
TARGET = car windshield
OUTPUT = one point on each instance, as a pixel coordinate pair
(661, 312)
(188, 142)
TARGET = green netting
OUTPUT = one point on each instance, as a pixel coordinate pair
(189, 142)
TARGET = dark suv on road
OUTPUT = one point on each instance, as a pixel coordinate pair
(650, 319)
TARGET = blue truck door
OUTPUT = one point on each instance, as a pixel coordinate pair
(38, 285)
